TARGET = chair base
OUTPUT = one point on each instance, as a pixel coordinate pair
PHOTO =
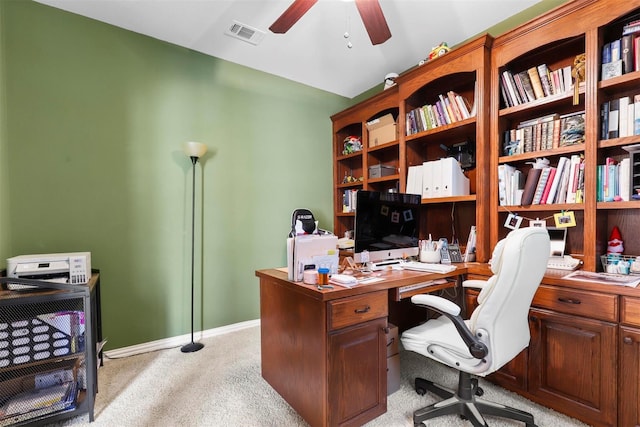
(465, 403)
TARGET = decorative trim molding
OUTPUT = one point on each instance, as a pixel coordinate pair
(178, 341)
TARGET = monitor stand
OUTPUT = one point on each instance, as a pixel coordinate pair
(380, 265)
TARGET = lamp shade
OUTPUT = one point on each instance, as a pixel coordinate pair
(194, 149)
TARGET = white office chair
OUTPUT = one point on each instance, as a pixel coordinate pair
(496, 332)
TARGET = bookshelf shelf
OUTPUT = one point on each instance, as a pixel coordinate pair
(455, 199)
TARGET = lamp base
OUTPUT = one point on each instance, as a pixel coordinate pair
(191, 347)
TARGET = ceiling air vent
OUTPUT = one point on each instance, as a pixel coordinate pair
(245, 33)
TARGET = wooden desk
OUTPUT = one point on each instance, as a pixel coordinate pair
(324, 351)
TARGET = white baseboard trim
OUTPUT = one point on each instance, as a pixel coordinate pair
(177, 341)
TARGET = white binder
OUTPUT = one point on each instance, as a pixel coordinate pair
(451, 180)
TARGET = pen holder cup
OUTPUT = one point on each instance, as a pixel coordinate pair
(432, 257)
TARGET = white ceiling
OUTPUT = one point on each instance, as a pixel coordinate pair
(314, 51)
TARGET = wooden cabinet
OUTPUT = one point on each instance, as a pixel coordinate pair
(570, 366)
(351, 169)
(325, 355)
(358, 373)
(553, 40)
(629, 363)
(463, 71)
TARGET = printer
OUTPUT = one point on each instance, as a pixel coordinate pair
(73, 268)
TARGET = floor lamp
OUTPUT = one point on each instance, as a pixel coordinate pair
(194, 150)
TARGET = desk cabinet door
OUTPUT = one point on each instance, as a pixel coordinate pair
(629, 393)
(358, 373)
(572, 366)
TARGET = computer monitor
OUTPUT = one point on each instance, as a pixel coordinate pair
(387, 225)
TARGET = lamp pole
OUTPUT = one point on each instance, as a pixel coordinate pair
(194, 150)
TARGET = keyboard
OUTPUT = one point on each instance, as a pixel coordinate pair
(563, 263)
(421, 285)
(429, 267)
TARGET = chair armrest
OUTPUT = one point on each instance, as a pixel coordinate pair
(452, 312)
(441, 305)
(474, 283)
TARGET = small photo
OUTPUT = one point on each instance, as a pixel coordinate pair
(513, 221)
(538, 223)
(565, 219)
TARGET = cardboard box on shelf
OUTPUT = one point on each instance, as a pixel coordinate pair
(378, 171)
(382, 130)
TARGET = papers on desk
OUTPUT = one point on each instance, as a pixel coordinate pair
(311, 251)
(604, 278)
(355, 282)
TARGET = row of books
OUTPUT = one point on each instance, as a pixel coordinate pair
(563, 183)
(534, 83)
(614, 180)
(349, 201)
(620, 117)
(622, 55)
(449, 108)
(544, 133)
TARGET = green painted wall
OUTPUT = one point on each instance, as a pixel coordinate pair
(4, 175)
(91, 122)
(95, 118)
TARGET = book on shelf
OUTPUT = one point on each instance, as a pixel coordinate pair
(510, 185)
(556, 186)
(548, 185)
(526, 85)
(572, 185)
(616, 53)
(541, 185)
(626, 46)
(613, 122)
(520, 88)
(631, 27)
(543, 72)
(530, 186)
(636, 114)
(636, 53)
(623, 116)
(512, 92)
(536, 82)
(572, 129)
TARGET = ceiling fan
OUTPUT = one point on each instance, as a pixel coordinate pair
(370, 12)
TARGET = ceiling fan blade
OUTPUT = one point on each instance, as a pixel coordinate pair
(374, 21)
(291, 15)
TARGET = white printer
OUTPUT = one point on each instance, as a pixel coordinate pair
(73, 268)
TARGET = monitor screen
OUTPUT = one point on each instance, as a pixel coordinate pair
(386, 225)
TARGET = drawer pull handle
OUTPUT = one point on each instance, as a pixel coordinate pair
(362, 310)
(628, 340)
(570, 300)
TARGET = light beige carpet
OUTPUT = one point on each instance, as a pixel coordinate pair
(221, 385)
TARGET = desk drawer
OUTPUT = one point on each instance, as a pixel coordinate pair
(357, 309)
(580, 303)
(630, 311)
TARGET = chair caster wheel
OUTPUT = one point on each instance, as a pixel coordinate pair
(479, 391)
(421, 392)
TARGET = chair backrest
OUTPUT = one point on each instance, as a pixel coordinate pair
(519, 262)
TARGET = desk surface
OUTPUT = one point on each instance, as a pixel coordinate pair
(392, 279)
